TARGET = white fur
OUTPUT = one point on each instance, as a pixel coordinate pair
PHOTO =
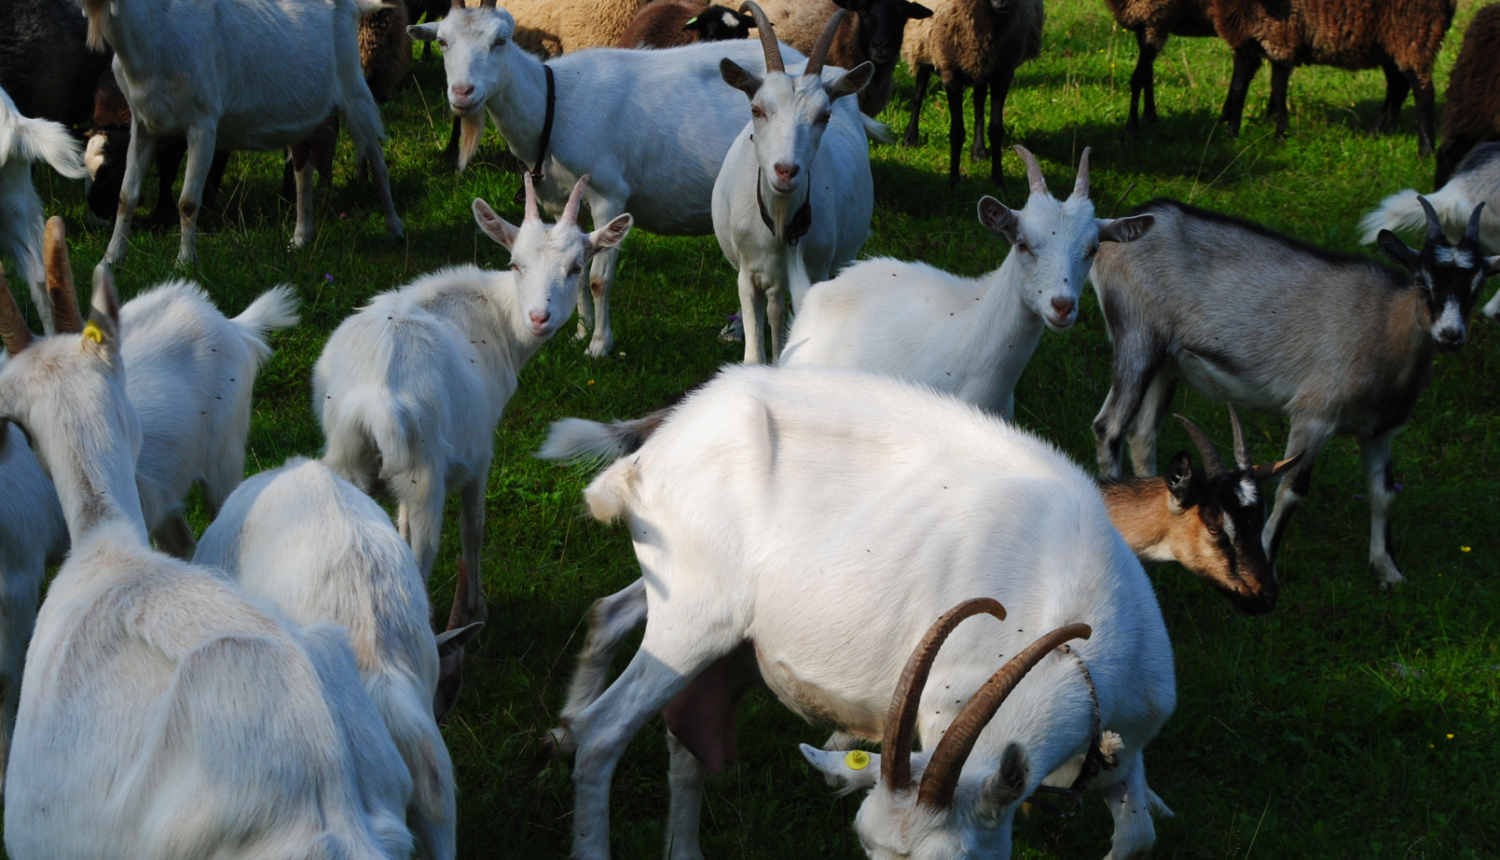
(163, 714)
(410, 389)
(201, 70)
(1454, 203)
(804, 124)
(651, 128)
(23, 142)
(829, 518)
(320, 550)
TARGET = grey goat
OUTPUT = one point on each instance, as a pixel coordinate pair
(1338, 343)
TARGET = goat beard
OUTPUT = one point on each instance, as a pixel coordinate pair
(96, 10)
(470, 130)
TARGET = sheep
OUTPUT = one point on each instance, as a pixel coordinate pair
(1339, 344)
(384, 49)
(1402, 37)
(771, 496)
(24, 141)
(669, 23)
(880, 27)
(409, 390)
(968, 336)
(237, 100)
(45, 64)
(977, 43)
(163, 712)
(1472, 112)
(1476, 181)
(651, 127)
(320, 550)
(793, 199)
(1153, 21)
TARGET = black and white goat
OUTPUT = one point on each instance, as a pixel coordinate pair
(1338, 343)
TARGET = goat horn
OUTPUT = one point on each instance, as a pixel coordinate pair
(458, 4)
(1033, 171)
(1081, 186)
(1434, 226)
(61, 293)
(825, 41)
(1211, 462)
(1472, 234)
(531, 209)
(901, 721)
(1241, 450)
(13, 330)
(947, 762)
(767, 36)
(570, 212)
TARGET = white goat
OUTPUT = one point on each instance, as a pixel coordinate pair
(163, 714)
(792, 203)
(22, 142)
(650, 127)
(320, 550)
(410, 389)
(202, 70)
(771, 496)
(968, 336)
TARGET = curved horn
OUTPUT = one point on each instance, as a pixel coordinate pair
(947, 762)
(901, 721)
(1241, 450)
(1472, 234)
(1081, 185)
(825, 41)
(767, 36)
(1434, 226)
(61, 293)
(1033, 171)
(13, 330)
(458, 4)
(531, 213)
(570, 212)
(1211, 462)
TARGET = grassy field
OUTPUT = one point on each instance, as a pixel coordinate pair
(1350, 723)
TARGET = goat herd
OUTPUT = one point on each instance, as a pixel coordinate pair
(273, 688)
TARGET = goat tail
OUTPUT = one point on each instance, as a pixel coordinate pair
(574, 439)
(1402, 211)
(408, 716)
(877, 130)
(41, 140)
(273, 310)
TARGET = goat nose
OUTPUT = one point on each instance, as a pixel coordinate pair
(463, 91)
(540, 317)
(1062, 307)
(787, 172)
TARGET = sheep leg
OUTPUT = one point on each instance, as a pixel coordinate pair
(302, 170)
(955, 89)
(978, 151)
(200, 156)
(472, 535)
(1396, 88)
(602, 274)
(1422, 94)
(137, 156)
(686, 778)
(752, 315)
(1246, 64)
(1147, 424)
(1307, 438)
(1376, 453)
(1000, 84)
(1281, 75)
(1143, 80)
(1132, 803)
(1136, 362)
(924, 74)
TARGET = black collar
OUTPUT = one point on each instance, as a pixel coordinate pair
(541, 157)
(801, 220)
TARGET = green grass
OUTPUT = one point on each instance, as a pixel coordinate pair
(1295, 734)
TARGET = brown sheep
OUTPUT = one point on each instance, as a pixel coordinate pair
(1402, 37)
(670, 23)
(1152, 21)
(1472, 113)
(975, 43)
(384, 49)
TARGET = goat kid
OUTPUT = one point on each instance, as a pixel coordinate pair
(123, 740)
(765, 476)
(322, 551)
(969, 336)
(409, 390)
(794, 197)
(1205, 297)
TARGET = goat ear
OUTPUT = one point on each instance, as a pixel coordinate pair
(422, 32)
(851, 81)
(1007, 785)
(846, 771)
(916, 11)
(746, 82)
(1397, 250)
(1125, 229)
(493, 225)
(1182, 482)
(450, 648)
(611, 234)
(1266, 471)
(103, 328)
(998, 219)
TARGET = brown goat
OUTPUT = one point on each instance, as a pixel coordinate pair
(1402, 37)
(1153, 21)
(1472, 113)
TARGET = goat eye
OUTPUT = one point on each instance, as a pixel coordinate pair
(1023, 248)
(756, 112)
(499, 43)
(577, 269)
(515, 269)
(443, 43)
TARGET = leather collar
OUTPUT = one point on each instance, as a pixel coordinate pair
(801, 220)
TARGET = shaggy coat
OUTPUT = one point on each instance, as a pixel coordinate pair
(549, 28)
(1472, 113)
(665, 24)
(45, 64)
(876, 36)
(969, 43)
(1153, 21)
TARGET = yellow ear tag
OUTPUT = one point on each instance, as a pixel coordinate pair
(857, 759)
(93, 332)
